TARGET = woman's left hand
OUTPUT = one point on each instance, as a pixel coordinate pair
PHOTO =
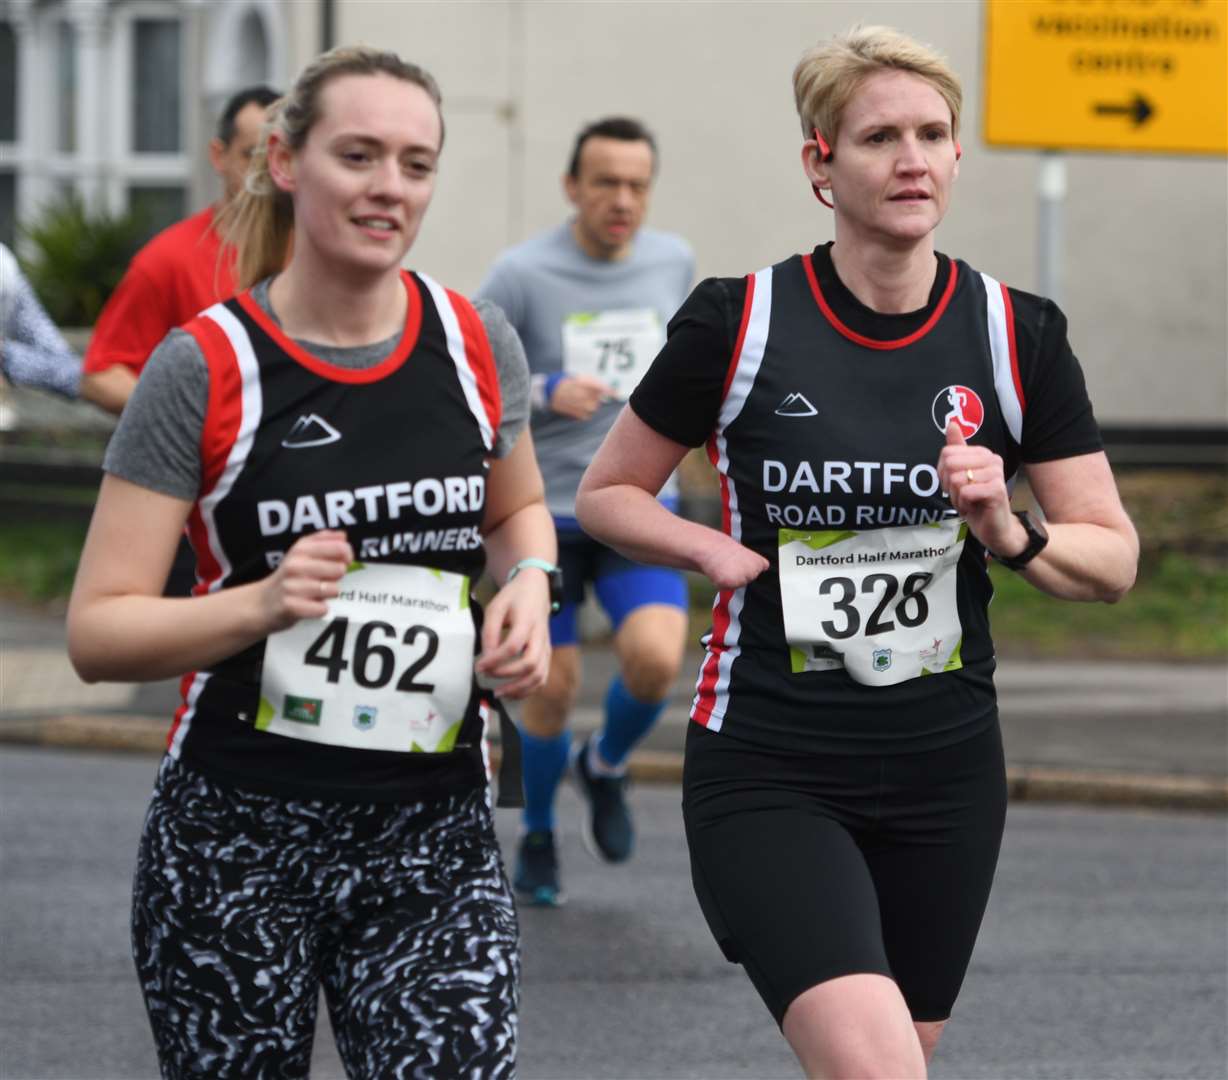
(516, 636)
(974, 478)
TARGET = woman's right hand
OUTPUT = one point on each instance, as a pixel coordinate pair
(728, 564)
(305, 579)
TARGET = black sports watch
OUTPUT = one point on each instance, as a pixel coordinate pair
(1037, 539)
(553, 574)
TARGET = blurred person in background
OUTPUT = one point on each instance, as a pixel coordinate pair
(347, 444)
(33, 352)
(179, 273)
(590, 299)
(867, 406)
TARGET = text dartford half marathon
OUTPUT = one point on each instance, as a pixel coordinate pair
(864, 557)
(387, 597)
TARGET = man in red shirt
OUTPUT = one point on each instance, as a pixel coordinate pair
(178, 273)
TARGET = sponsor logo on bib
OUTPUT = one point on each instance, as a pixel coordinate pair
(303, 710)
(961, 404)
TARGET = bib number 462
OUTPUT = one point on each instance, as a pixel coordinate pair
(910, 610)
(373, 662)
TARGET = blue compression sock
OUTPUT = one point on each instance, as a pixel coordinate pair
(627, 720)
(544, 761)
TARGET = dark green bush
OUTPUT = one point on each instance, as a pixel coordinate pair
(77, 256)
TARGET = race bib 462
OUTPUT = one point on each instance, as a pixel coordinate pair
(389, 668)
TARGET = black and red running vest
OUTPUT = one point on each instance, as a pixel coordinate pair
(395, 454)
(822, 428)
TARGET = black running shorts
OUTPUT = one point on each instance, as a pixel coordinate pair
(810, 867)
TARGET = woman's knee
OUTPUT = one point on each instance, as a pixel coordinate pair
(854, 1025)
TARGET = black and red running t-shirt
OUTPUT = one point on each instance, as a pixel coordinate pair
(395, 454)
(819, 413)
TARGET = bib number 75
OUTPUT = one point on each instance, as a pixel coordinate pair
(373, 661)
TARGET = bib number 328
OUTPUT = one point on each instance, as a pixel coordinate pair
(881, 603)
(389, 668)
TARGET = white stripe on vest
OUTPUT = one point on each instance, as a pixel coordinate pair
(252, 407)
(748, 361)
(456, 349)
(1003, 370)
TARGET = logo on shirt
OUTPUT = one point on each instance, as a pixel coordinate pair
(310, 430)
(961, 404)
(796, 405)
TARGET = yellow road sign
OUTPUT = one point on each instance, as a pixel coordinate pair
(1146, 76)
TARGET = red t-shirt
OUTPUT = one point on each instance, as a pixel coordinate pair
(172, 278)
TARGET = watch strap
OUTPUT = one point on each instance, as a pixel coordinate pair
(1037, 539)
(531, 563)
(553, 575)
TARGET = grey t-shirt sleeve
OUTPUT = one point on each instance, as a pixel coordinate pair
(157, 440)
(513, 371)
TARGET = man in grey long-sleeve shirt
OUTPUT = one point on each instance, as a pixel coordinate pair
(590, 300)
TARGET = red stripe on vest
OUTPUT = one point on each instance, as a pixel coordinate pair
(398, 356)
(481, 359)
(185, 685)
(223, 415)
(1010, 340)
(874, 343)
(737, 345)
(702, 712)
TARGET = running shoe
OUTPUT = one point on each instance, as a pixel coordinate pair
(608, 832)
(537, 870)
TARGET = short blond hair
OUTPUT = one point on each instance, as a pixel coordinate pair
(830, 73)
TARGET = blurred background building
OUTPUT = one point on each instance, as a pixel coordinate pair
(115, 100)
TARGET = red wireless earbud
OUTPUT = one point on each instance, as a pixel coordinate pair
(824, 155)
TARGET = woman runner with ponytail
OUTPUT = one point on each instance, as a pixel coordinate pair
(345, 443)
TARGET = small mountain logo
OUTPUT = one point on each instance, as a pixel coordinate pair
(796, 405)
(310, 430)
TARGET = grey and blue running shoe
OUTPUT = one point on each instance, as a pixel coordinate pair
(608, 832)
(537, 870)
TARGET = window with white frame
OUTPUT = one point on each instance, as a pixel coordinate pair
(8, 133)
(153, 159)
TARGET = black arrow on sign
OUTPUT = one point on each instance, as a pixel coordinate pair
(1139, 110)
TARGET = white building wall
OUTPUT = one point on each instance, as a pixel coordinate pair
(1146, 245)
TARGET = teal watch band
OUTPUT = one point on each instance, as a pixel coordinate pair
(537, 564)
(553, 574)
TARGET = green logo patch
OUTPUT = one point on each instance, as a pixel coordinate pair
(303, 710)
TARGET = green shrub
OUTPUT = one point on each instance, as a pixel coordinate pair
(77, 257)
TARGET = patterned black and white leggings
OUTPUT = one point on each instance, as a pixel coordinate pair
(245, 904)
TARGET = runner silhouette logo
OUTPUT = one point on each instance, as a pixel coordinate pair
(796, 405)
(310, 430)
(961, 404)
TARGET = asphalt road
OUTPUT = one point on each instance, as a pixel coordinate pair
(1103, 954)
